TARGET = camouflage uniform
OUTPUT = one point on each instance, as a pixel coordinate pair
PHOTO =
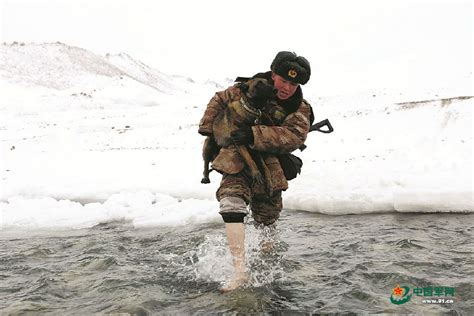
(284, 128)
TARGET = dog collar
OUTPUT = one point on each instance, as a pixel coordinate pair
(249, 108)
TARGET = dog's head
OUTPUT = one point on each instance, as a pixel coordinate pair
(258, 91)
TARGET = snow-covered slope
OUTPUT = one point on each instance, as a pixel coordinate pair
(54, 65)
(86, 138)
(55, 76)
(142, 73)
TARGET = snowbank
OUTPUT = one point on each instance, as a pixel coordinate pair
(79, 152)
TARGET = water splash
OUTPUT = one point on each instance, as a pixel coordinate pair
(212, 261)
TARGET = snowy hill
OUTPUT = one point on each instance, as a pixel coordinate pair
(54, 65)
(88, 138)
(142, 73)
(58, 76)
(59, 66)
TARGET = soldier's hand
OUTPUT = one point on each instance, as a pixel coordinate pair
(242, 136)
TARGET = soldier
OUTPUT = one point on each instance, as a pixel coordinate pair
(283, 128)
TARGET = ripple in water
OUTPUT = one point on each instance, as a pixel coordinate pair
(310, 264)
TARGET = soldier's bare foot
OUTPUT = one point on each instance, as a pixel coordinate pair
(237, 280)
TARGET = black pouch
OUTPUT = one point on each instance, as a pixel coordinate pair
(291, 165)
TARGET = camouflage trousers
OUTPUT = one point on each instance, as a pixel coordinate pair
(236, 191)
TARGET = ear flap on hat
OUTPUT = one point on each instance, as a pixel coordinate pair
(303, 62)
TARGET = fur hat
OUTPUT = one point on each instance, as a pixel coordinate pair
(291, 67)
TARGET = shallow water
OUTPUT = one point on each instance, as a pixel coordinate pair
(320, 264)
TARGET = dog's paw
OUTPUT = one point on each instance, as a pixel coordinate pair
(205, 180)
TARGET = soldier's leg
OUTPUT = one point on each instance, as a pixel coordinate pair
(233, 196)
(266, 211)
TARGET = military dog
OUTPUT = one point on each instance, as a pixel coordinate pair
(255, 95)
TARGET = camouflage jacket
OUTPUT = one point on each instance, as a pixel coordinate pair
(283, 129)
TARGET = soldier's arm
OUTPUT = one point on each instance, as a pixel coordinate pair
(285, 138)
(215, 105)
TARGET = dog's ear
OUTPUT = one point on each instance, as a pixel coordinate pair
(264, 90)
(244, 87)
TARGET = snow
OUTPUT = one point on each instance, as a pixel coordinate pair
(87, 139)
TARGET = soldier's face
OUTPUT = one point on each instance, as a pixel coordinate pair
(285, 88)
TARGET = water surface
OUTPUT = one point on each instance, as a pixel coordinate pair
(320, 264)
